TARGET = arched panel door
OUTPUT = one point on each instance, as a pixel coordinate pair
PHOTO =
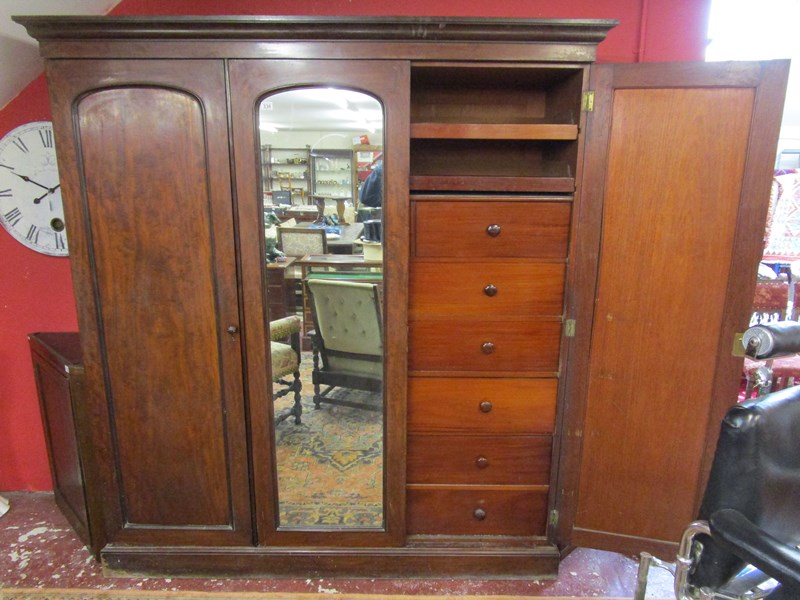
(144, 164)
(310, 139)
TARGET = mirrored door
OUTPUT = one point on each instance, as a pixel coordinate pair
(323, 224)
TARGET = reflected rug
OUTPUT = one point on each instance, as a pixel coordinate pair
(330, 466)
(72, 594)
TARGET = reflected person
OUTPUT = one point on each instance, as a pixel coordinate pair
(371, 192)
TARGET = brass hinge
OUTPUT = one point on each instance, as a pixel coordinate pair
(569, 328)
(587, 104)
(553, 520)
(738, 346)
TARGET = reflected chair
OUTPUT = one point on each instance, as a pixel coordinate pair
(744, 544)
(347, 340)
(299, 241)
(285, 361)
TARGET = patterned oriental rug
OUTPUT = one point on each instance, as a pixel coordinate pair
(330, 466)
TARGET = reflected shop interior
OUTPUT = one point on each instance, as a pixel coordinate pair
(322, 179)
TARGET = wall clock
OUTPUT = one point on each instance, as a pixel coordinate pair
(30, 194)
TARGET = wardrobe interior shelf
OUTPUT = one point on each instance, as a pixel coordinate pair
(495, 131)
(458, 183)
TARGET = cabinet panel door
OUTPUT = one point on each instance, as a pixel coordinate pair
(678, 171)
(144, 159)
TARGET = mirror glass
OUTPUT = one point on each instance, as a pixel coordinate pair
(321, 154)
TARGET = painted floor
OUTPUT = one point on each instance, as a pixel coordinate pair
(39, 549)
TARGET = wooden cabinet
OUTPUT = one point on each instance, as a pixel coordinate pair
(333, 175)
(498, 326)
(286, 170)
(59, 374)
(520, 201)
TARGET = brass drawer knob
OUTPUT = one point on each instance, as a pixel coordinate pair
(493, 230)
(485, 406)
(482, 462)
(479, 514)
(487, 347)
(490, 290)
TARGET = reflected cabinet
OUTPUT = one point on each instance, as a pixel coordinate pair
(336, 283)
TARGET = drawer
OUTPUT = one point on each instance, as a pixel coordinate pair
(495, 510)
(453, 228)
(481, 405)
(509, 347)
(460, 290)
(479, 459)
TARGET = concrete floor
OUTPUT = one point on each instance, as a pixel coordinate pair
(38, 549)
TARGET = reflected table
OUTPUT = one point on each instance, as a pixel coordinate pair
(349, 267)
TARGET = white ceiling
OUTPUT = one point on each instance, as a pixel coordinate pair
(19, 53)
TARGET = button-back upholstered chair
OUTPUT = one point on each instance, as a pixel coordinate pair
(347, 340)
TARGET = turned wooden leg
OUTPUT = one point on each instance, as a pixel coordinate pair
(298, 406)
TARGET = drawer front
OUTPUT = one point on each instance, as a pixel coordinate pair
(461, 290)
(481, 405)
(476, 511)
(452, 228)
(479, 459)
(487, 346)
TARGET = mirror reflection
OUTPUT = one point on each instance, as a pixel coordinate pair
(322, 182)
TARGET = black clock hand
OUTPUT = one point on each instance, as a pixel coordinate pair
(47, 193)
(29, 180)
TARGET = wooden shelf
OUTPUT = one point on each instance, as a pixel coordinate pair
(482, 183)
(495, 131)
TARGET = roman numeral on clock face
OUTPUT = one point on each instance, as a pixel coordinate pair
(33, 234)
(5, 193)
(13, 216)
(21, 145)
(46, 135)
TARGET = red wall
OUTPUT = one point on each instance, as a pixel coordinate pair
(36, 290)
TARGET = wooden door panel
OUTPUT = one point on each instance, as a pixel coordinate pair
(155, 212)
(671, 160)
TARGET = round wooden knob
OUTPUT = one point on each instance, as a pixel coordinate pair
(482, 462)
(490, 290)
(485, 406)
(487, 347)
(493, 230)
(479, 514)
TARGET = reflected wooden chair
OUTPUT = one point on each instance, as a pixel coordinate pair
(285, 361)
(347, 340)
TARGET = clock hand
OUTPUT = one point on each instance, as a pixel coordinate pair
(47, 193)
(29, 180)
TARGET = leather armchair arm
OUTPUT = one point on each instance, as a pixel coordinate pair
(772, 340)
(737, 534)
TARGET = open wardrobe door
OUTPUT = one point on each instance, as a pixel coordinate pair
(675, 191)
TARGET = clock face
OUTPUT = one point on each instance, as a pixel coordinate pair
(30, 195)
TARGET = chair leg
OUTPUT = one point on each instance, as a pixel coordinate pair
(297, 409)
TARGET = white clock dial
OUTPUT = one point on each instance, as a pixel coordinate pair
(30, 194)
